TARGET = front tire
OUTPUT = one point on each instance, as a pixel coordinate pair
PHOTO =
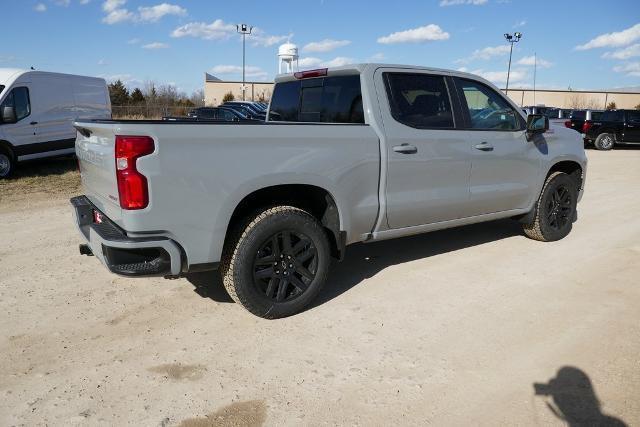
(277, 262)
(604, 142)
(7, 164)
(555, 209)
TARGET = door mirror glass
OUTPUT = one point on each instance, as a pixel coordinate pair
(537, 123)
(8, 114)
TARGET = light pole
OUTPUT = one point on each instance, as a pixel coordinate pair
(243, 29)
(511, 38)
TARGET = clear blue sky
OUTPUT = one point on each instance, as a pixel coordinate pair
(582, 44)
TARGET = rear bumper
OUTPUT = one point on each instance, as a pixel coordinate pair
(121, 254)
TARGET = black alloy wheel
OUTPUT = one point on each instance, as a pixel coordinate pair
(285, 265)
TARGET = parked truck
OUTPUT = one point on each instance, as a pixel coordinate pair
(358, 153)
(613, 127)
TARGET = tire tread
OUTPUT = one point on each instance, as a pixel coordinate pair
(231, 261)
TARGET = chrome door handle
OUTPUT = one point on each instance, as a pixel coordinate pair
(484, 146)
(405, 149)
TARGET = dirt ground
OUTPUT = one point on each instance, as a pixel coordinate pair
(449, 328)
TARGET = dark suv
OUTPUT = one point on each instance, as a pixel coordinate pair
(582, 120)
(614, 127)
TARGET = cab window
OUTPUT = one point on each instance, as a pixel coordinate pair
(487, 109)
(18, 98)
(419, 100)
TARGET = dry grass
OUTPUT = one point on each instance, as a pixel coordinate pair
(46, 178)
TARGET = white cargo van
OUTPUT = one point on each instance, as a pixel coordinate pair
(37, 111)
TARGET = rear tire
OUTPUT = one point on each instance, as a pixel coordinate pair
(276, 262)
(7, 162)
(604, 142)
(555, 209)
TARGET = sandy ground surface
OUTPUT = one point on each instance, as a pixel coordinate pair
(448, 328)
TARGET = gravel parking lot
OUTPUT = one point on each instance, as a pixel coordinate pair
(448, 328)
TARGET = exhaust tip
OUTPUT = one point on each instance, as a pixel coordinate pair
(85, 250)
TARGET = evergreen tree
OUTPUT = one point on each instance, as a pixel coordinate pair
(228, 97)
(118, 93)
(137, 97)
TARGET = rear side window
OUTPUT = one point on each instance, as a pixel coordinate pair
(326, 100)
(633, 116)
(419, 100)
(612, 116)
(19, 99)
(487, 109)
(578, 114)
(596, 115)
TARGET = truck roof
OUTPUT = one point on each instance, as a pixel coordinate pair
(362, 67)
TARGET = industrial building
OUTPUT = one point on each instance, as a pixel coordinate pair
(215, 89)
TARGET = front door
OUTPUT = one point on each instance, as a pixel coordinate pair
(22, 132)
(505, 167)
(428, 159)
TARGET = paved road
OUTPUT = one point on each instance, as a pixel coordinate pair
(449, 328)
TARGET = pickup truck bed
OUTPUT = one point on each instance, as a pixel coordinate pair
(353, 154)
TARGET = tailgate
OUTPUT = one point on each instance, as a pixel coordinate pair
(95, 148)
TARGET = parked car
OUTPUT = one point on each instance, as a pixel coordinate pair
(217, 113)
(614, 127)
(358, 153)
(246, 108)
(37, 110)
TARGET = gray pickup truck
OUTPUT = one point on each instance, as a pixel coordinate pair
(351, 154)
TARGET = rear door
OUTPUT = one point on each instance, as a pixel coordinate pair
(505, 166)
(632, 128)
(428, 159)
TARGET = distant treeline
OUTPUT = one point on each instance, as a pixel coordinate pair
(153, 94)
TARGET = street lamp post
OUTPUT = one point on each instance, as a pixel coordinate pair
(243, 29)
(511, 38)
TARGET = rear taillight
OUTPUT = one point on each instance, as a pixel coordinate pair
(132, 185)
(567, 124)
(586, 126)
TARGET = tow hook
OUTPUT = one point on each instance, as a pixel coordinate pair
(85, 250)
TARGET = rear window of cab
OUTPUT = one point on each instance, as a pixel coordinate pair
(335, 99)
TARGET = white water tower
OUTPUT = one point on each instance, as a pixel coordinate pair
(287, 55)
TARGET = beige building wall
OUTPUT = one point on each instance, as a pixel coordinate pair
(574, 99)
(214, 91)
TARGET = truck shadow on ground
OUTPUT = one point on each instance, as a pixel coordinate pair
(363, 261)
(574, 401)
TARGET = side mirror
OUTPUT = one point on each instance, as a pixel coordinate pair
(8, 114)
(536, 124)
